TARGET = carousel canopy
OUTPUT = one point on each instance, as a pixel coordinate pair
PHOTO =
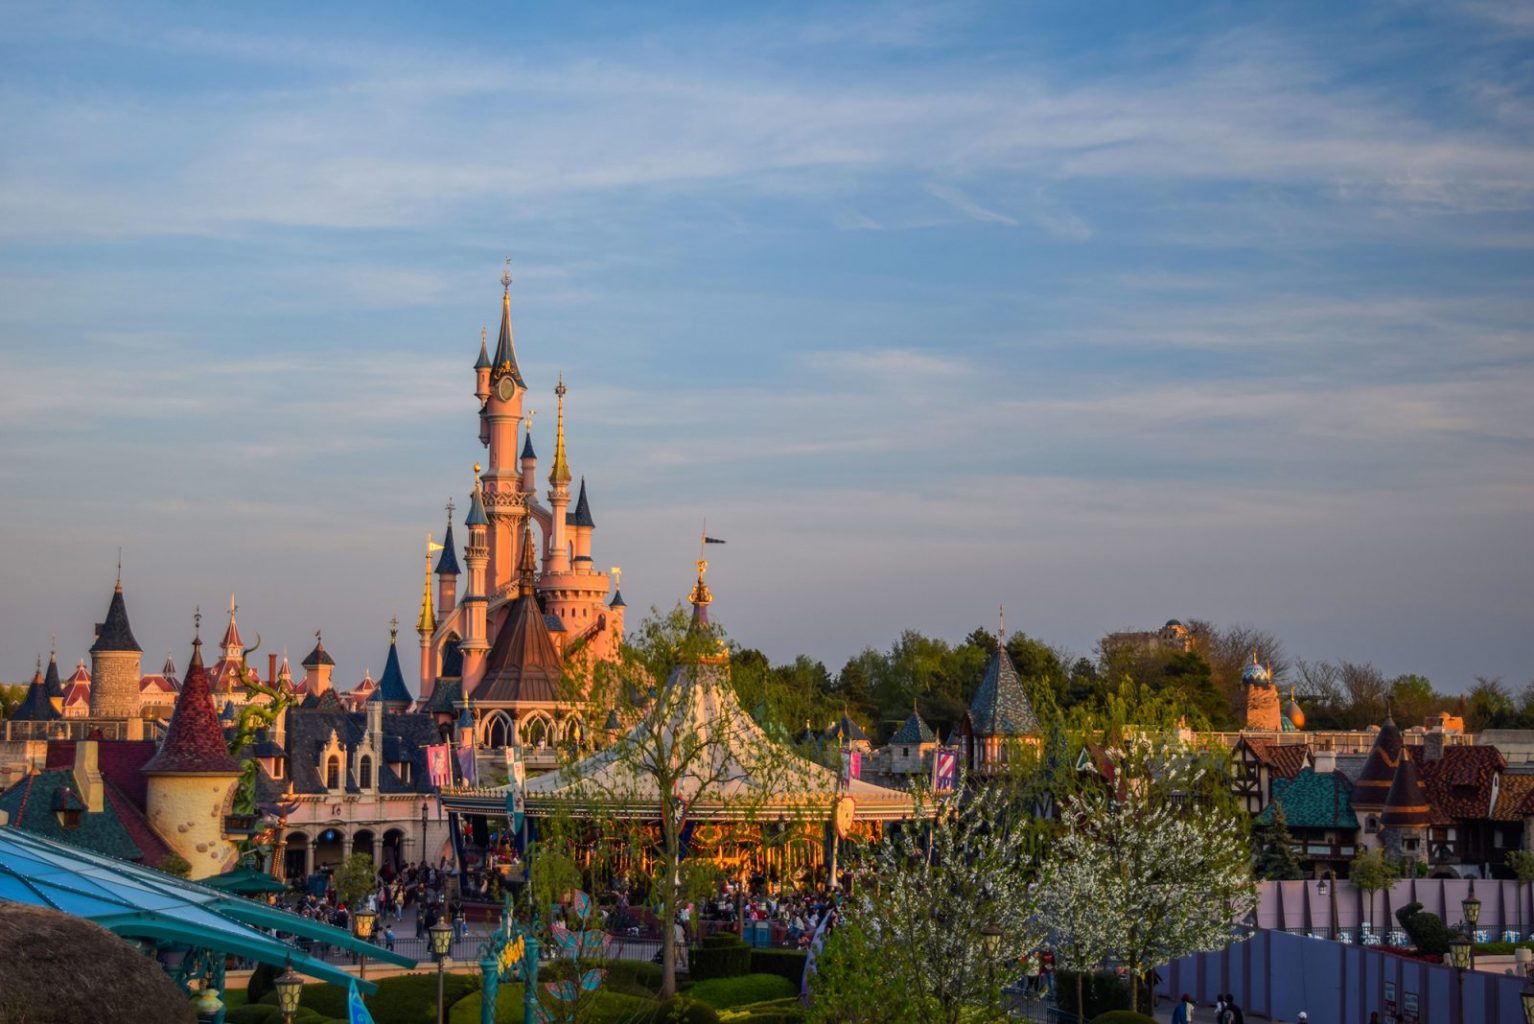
(141, 903)
(733, 770)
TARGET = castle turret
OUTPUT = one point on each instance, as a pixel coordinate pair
(53, 689)
(391, 691)
(502, 485)
(474, 643)
(317, 668)
(559, 491)
(192, 778)
(581, 524)
(115, 658)
(35, 706)
(1263, 713)
(529, 460)
(482, 370)
(447, 571)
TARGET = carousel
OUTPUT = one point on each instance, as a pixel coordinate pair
(741, 801)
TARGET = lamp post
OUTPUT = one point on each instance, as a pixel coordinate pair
(362, 926)
(1460, 948)
(289, 986)
(1331, 887)
(1472, 909)
(441, 946)
(423, 831)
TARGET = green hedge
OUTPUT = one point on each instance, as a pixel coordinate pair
(254, 1013)
(785, 963)
(773, 1011)
(603, 1008)
(723, 993)
(1102, 992)
(403, 999)
(1122, 1017)
(680, 1010)
(720, 956)
(633, 977)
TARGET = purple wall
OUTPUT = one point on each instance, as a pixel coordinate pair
(1302, 908)
(1278, 975)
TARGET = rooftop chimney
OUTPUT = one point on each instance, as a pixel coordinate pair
(1432, 745)
(88, 776)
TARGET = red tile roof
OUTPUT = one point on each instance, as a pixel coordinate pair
(1512, 797)
(194, 741)
(1459, 784)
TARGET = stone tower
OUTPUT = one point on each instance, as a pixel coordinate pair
(115, 658)
(1263, 713)
(192, 778)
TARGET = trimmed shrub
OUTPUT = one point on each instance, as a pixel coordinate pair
(632, 977)
(403, 999)
(1101, 991)
(1426, 930)
(721, 940)
(720, 956)
(723, 993)
(785, 963)
(260, 983)
(1122, 1017)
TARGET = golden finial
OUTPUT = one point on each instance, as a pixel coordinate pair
(427, 623)
(700, 593)
(559, 474)
(476, 474)
(617, 575)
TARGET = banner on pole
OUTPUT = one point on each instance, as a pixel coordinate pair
(945, 770)
(467, 766)
(438, 767)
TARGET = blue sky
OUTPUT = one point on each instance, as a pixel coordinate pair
(1111, 312)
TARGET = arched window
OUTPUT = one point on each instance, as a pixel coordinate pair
(535, 731)
(497, 730)
(365, 773)
(333, 773)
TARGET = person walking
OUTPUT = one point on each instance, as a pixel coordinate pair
(679, 939)
(1233, 1014)
(389, 937)
(1182, 1013)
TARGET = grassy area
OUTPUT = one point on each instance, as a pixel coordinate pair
(724, 993)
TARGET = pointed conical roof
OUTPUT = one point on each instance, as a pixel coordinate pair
(115, 634)
(194, 741)
(1406, 806)
(1001, 706)
(318, 656)
(483, 362)
(527, 446)
(505, 362)
(1379, 770)
(617, 601)
(523, 664)
(844, 728)
(35, 706)
(231, 641)
(391, 690)
(914, 731)
(476, 516)
(559, 473)
(51, 685)
(582, 509)
(447, 565)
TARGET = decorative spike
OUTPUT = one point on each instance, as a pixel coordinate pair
(559, 475)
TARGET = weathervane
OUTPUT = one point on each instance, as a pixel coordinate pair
(506, 275)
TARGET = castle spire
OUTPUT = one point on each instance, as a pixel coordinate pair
(447, 565)
(528, 566)
(559, 475)
(427, 623)
(483, 362)
(505, 361)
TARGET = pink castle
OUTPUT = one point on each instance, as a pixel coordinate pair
(535, 609)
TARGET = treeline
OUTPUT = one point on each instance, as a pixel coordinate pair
(1146, 684)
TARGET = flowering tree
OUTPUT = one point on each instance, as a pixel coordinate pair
(1153, 863)
(914, 945)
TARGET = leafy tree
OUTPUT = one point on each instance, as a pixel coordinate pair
(929, 888)
(1276, 859)
(354, 879)
(1370, 873)
(1489, 706)
(1161, 857)
(1412, 699)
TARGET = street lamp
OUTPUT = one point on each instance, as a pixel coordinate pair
(1472, 908)
(441, 946)
(1459, 951)
(362, 925)
(990, 941)
(290, 986)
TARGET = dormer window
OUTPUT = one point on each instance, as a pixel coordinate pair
(277, 768)
(333, 772)
(365, 773)
(67, 807)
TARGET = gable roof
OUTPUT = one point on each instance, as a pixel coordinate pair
(1283, 760)
(117, 830)
(1460, 783)
(1513, 796)
(1001, 706)
(1310, 800)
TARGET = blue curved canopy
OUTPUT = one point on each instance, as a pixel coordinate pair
(141, 903)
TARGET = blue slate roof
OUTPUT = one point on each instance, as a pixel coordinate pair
(505, 361)
(1001, 706)
(582, 516)
(51, 685)
(35, 706)
(443, 697)
(404, 738)
(391, 685)
(845, 728)
(617, 601)
(476, 516)
(914, 731)
(527, 447)
(483, 362)
(115, 634)
(447, 565)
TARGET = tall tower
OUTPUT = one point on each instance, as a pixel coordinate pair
(559, 491)
(192, 778)
(504, 502)
(474, 643)
(115, 658)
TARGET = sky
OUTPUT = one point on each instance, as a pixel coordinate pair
(1110, 312)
